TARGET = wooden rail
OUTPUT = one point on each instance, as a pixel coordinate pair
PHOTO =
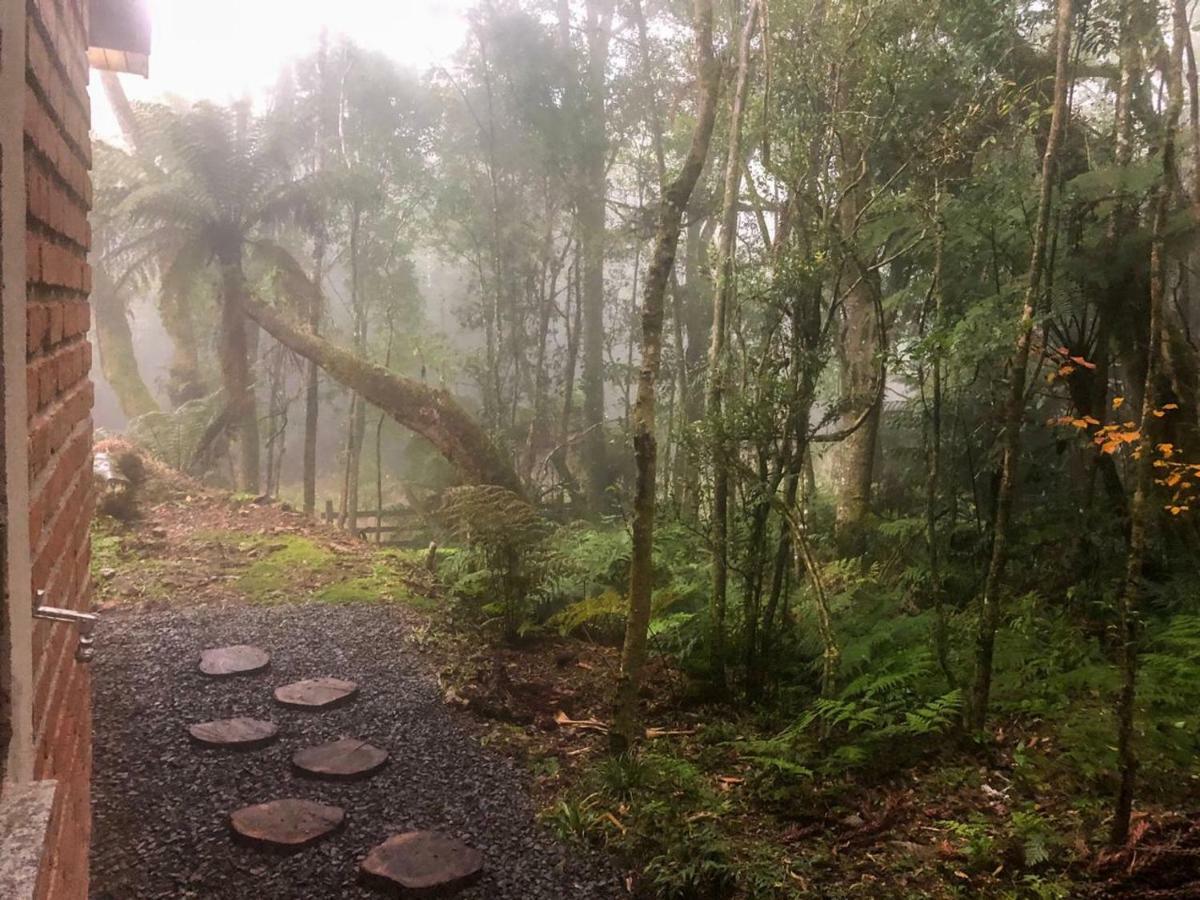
(392, 527)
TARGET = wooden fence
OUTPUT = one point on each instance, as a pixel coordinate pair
(390, 527)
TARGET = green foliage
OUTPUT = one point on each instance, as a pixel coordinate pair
(173, 437)
(597, 618)
(504, 569)
(660, 811)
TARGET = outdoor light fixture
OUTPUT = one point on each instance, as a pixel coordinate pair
(119, 36)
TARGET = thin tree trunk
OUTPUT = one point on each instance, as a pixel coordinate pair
(933, 452)
(674, 201)
(989, 611)
(387, 364)
(358, 413)
(312, 397)
(1140, 508)
(592, 209)
(722, 300)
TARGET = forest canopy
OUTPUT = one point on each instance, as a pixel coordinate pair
(839, 356)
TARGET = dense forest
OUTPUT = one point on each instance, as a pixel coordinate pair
(836, 363)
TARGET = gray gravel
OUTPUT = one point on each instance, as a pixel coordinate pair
(160, 805)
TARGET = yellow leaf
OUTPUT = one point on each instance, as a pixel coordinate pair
(1117, 401)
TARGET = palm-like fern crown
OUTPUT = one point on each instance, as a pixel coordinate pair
(203, 182)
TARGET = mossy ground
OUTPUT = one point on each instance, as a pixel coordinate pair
(229, 547)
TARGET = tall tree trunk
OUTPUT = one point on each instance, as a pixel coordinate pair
(859, 348)
(235, 369)
(122, 109)
(358, 411)
(431, 412)
(989, 610)
(722, 300)
(387, 364)
(674, 201)
(312, 396)
(592, 236)
(118, 361)
(185, 382)
(933, 449)
(325, 127)
(1140, 508)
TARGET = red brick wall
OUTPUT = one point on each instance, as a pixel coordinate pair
(58, 186)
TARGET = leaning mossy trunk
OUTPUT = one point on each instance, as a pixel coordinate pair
(430, 412)
(118, 362)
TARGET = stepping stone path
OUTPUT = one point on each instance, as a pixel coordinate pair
(316, 693)
(240, 659)
(235, 734)
(343, 760)
(418, 862)
(427, 862)
(286, 824)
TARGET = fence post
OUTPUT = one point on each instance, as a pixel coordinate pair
(328, 512)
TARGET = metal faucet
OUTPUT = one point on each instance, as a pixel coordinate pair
(84, 622)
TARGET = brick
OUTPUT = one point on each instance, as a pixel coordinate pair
(56, 310)
(37, 328)
(33, 258)
(47, 374)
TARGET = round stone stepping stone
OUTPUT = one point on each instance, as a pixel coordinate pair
(346, 759)
(285, 824)
(240, 659)
(316, 693)
(235, 734)
(422, 862)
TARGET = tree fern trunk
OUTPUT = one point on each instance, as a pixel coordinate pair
(235, 370)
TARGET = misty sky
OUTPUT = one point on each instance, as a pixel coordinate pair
(223, 49)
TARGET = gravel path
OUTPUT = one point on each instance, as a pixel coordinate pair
(161, 805)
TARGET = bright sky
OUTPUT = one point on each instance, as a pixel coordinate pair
(223, 49)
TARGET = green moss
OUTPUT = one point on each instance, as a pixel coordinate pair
(287, 563)
(107, 550)
(382, 584)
